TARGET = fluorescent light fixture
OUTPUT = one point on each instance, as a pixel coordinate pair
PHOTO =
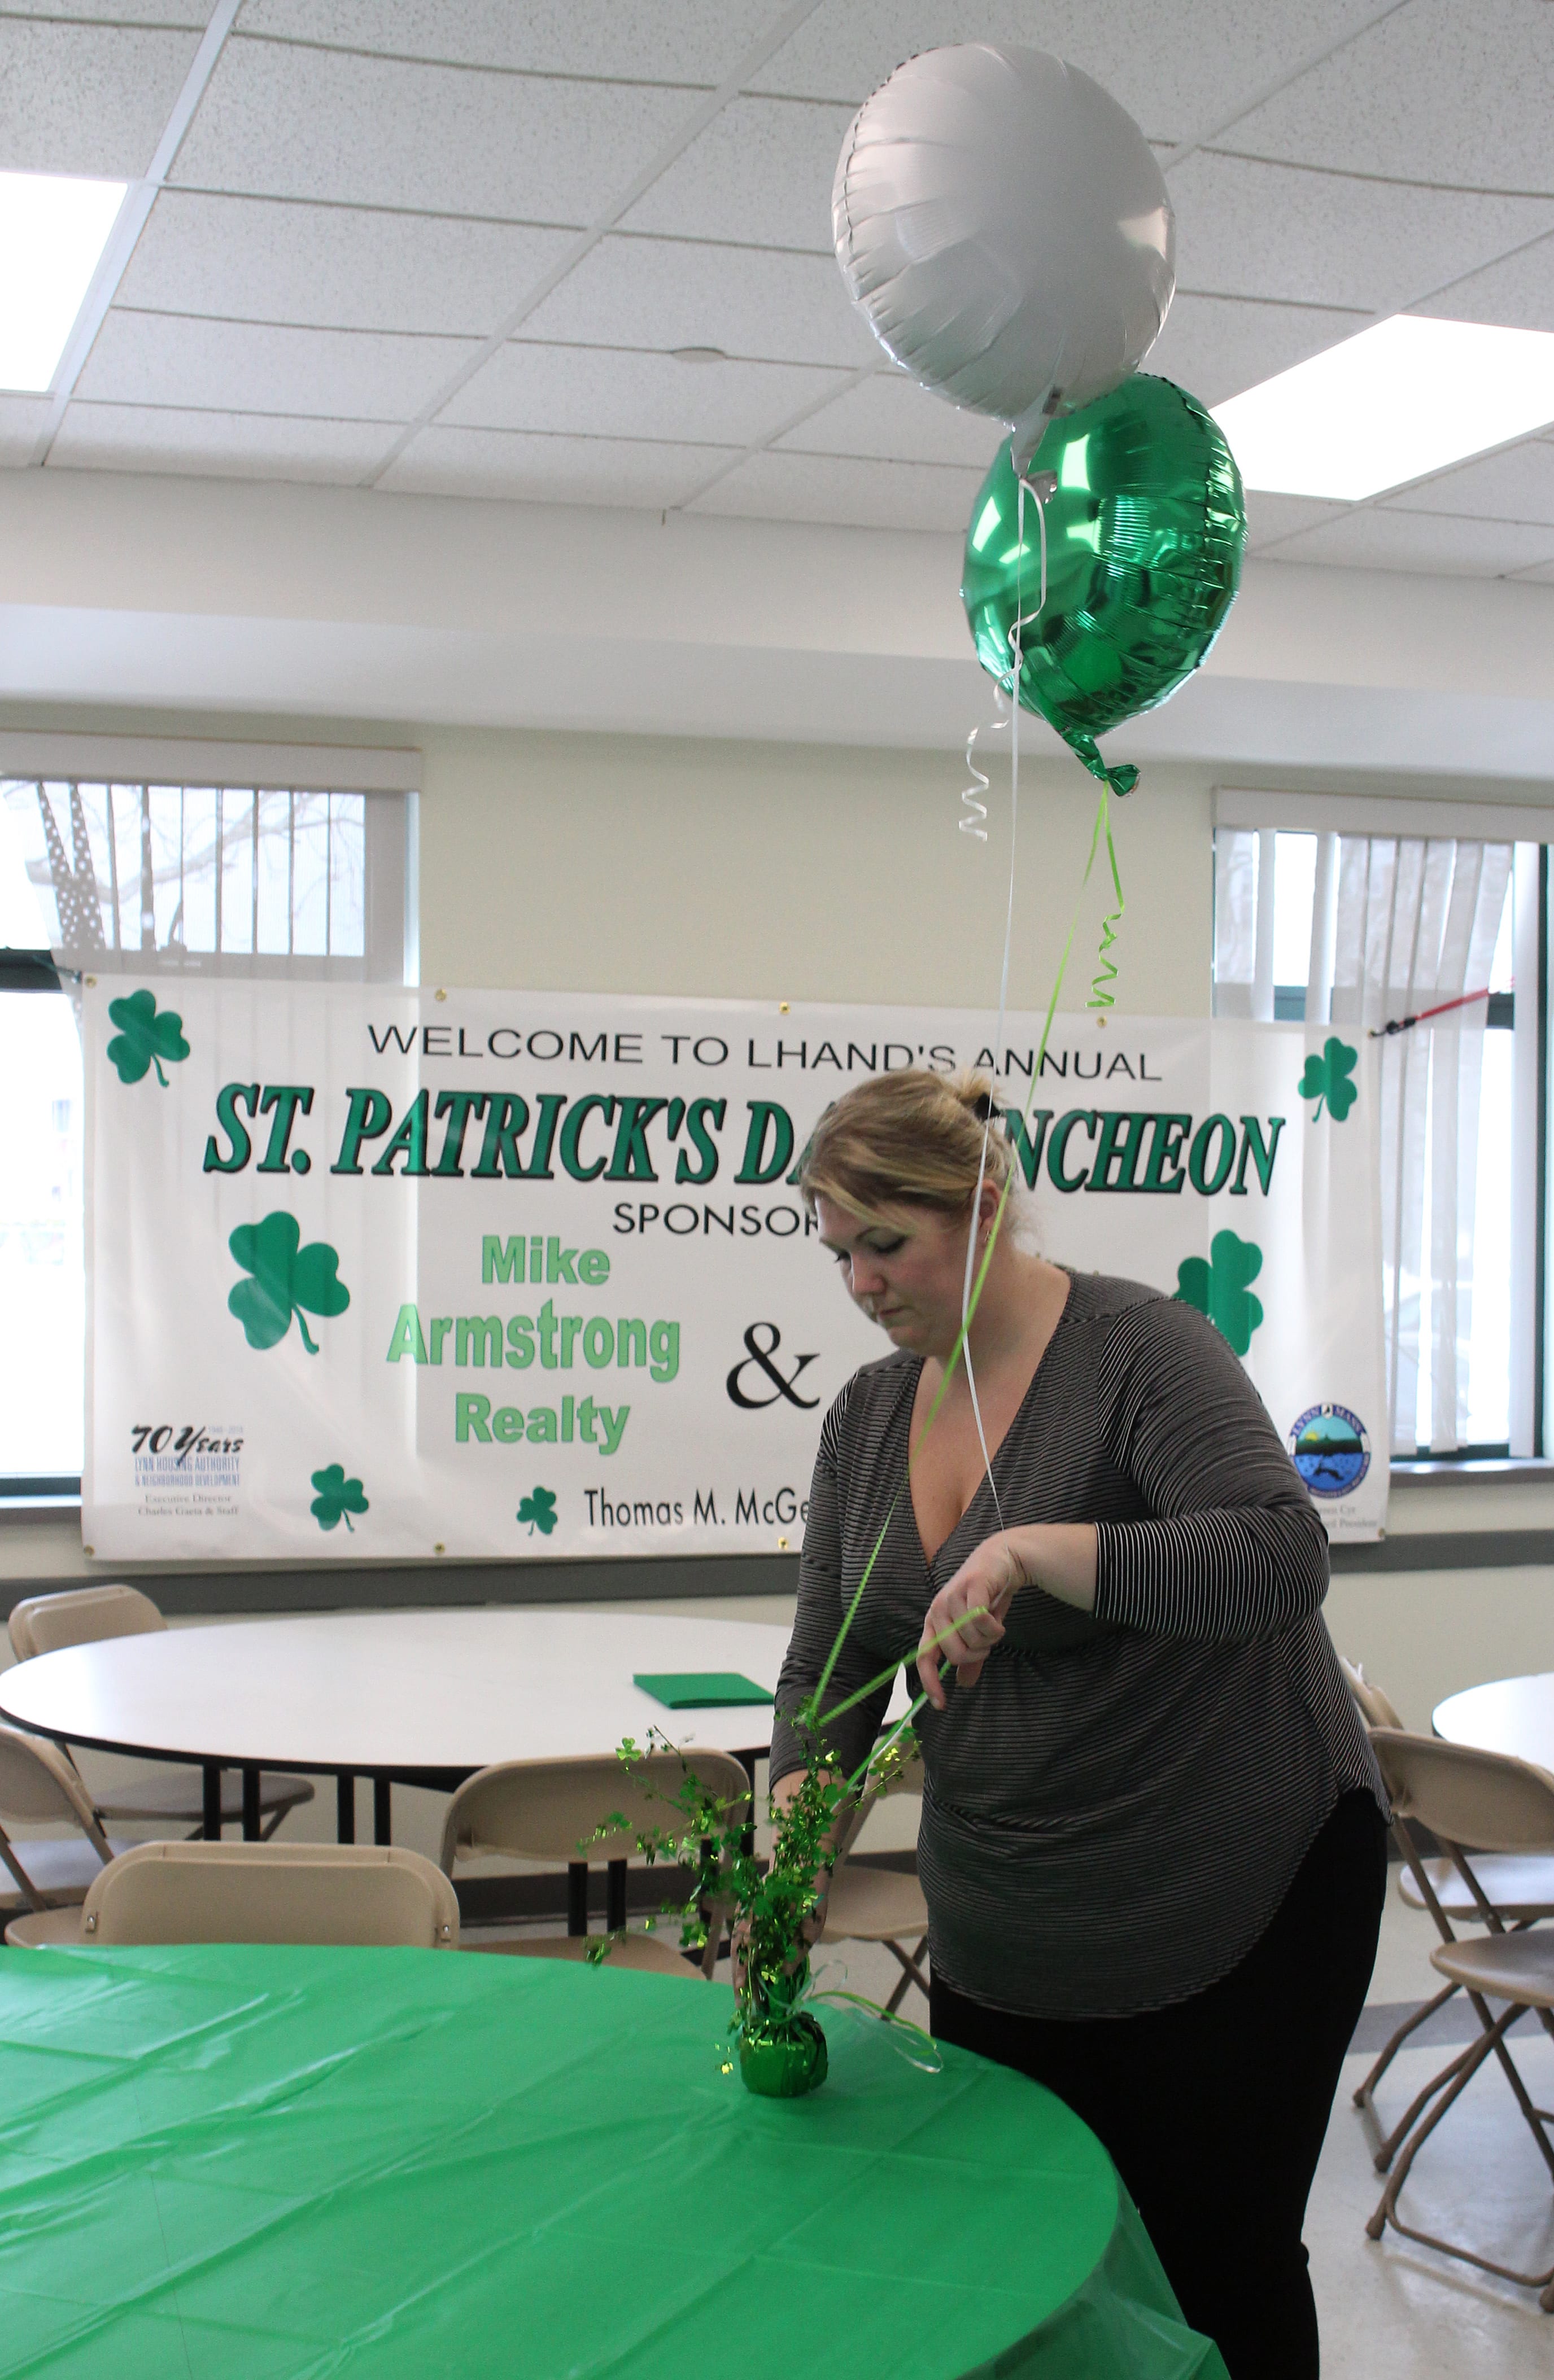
(1400, 400)
(54, 228)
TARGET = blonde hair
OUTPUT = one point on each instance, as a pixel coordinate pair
(907, 1139)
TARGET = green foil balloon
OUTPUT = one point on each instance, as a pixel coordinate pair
(1144, 533)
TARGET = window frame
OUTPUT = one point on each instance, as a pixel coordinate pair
(1529, 828)
(389, 776)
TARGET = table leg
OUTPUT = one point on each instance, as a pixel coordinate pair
(577, 1897)
(250, 1805)
(345, 1807)
(383, 1828)
(615, 1897)
(212, 1812)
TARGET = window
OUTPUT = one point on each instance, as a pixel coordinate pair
(141, 873)
(1422, 943)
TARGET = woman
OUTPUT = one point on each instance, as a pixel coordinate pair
(1153, 1842)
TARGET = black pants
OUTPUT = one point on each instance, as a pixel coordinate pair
(1214, 2111)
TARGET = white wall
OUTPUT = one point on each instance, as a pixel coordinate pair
(789, 872)
(814, 871)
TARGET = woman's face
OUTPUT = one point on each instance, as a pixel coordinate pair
(907, 1275)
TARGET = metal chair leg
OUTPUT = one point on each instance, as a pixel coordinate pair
(1491, 2041)
(912, 1974)
(1425, 2009)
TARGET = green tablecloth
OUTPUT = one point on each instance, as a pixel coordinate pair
(259, 2163)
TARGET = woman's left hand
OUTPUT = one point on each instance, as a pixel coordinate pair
(966, 1616)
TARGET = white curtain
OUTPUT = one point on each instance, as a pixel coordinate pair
(1399, 923)
(1409, 924)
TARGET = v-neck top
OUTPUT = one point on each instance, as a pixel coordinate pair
(1113, 1814)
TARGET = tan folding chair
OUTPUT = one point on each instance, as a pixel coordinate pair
(322, 1893)
(1469, 1798)
(548, 1810)
(871, 1904)
(39, 1787)
(1521, 1892)
(86, 1615)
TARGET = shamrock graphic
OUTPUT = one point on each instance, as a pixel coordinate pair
(338, 1497)
(539, 1511)
(1219, 1287)
(1327, 1078)
(144, 1039)
(286, 1278)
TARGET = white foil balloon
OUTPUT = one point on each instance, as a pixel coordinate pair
(1003, 224)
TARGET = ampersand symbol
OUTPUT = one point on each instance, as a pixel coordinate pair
(762, 1356)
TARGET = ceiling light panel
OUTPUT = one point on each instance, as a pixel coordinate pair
(53, 231)
(1401, 400)
(1217, 346)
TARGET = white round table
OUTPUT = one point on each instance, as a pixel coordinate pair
(423, 1698)
(1514, 1715)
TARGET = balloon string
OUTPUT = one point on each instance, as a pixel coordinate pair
(1107, 973)
(975, 820)
(1016, 660)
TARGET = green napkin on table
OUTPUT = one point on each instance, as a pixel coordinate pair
(701, 1689)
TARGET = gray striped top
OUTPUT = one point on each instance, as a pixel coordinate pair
(1113, 1816)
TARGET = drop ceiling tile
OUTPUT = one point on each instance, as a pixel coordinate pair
(286, 122)
(760, 174)
(244, 366)
(1175, 75)
(861, 494)
(696, 42)
(216, 445)
(1515, 485)
(559, 470)
(1217, 346)
(161, 13)
(348, 268)
(614, 393)
(1466, 92)
(893, 421)
(1250, 230)
(22, 421)
(87, 99)
(1517, 293)
(676, 293)
(1269, 518)
(1369, 539)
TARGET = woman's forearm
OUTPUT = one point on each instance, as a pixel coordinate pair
(1060, 1558)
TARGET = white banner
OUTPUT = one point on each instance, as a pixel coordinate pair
(381, 1274)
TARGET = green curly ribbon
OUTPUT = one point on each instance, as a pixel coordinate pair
(1107, 973)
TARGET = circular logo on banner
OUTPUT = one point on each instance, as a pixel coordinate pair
(1331, 1450)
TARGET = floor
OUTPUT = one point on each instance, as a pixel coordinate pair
(1391, 2310)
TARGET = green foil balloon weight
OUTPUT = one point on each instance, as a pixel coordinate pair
(1144, 525)
(783, 2060)
(782, 2049)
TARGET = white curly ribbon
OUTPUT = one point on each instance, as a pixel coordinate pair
(975, 820)
(1021, 621)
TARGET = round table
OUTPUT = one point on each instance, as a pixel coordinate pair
(421, 1697)
(1514, 1715)
(245, 2163)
